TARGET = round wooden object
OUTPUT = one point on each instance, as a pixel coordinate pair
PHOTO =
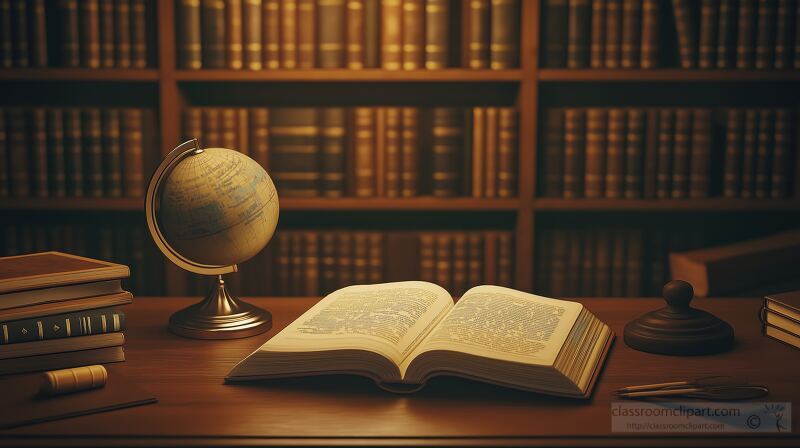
(679, 329)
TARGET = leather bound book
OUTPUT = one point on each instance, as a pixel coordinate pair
(283, 261)
(332, 21)
(355, 34)
(602, 263)
(413, 35)
(446, 145)
(504, 33)
(574, 263)
(555, 27)
(709, 21)
(252, 35)
(306, 34)
(139, 33)
(734, 143)
(746, 30)
(61, 345)
(73, 148)
(558, 262)
(375, 264)
(596, 129)
(687, 33)
(38, 148)
(681, 150)
(507, 143)
(107, 33)
(234, 55)
(490, 161)
(437, 34)
(53, 269)
(90, 33)
(460, 262)
(766, 123)
(82, 323)
(38, 32)
(631, 33)
(781, 154)
(213, 33)
(634, 154)
(474, 259)
(578, 34)
(478, 150)
(189, 46)
(783, 34)
(650, 169)
(122, 36)
(505, 259)
(598, 34)
(427, 257)
(392, 149)
(289, 33)
(651, 34)
(311, 259)
(553, 158)
(444, 260)
(112, 153)
(193, 124)
(297, 266)
(92, 151)
(333, 145)
(372, 25)
(634, 264)
(749, 153)
(56, 158)
(618, 263)
(328, 264)
(360, 257)
(574, 152)
(364, 148)
(409, 173)
(700, 163)
(726, 34)
(271, 32)
(6, 46)
(615, 153)
(345, 258)
(666, 140)
(765, 34)
(18, 152)
(259, 136)
(132, 152)
(380, 151)
(586, 269)
(53, 361)
(612, 53)
(68, 38)
(294, 151)
(478, 34)
(228, 127)
(20, 43)
(391, 34)
(242, 130)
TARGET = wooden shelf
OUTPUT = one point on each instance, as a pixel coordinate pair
(664, 205)
(346, 75)
(62, 204)
(666, 75)
(79, 74)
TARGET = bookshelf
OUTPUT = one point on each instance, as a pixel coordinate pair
(529, 88)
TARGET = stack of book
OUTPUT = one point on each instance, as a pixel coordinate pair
(354, 34)
(59, 310)
(780, 318)
(370, 151)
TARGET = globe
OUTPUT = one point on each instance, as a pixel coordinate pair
(217, 207)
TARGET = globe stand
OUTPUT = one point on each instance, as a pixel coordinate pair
(220, 316)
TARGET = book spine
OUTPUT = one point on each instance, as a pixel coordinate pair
(666, 137)
(634, 154)
(242, 120)
(618, 258)
(392, 149)
(578, 34)
(749, 153)
(650, 170)
(6, 45)
(306, 34)
(289, 35)
(699, 178)
(192, 124)
(212, 134)
(615, 154)
(252, 34)
(311, 259)
(681, 153)
(687, 34)
(709, 21)
(68, 14)
(90, 33)
(19, 30)
(4, 157)
(38, 148)
(332, 20)
(112, 157)
(259, 135)
(360, 258)
(766, 122)
(345, 259)
(189, 46)
(413, 35)
(574, 148)
(474, 259)
(364, 118)
(447, 138)
(139, 33)
(558, 263)
(375, 264)
(780, 155)
(409, 152)
(271, 32)
(372, 21)
(555, 33)
(74, 152)
(229, 125)
(427, 257)
(478, 34)
(745, 42)
(505, 259)
(504, 33)
(38, 32)
(478, 150)
(297, 268)
(765, 34)
(444, 260)
(391, 34)
(380, 151)
(726, 34)
(585, 270)
(602, 263)
(596, 128)
(507, 143)
(107, 33)
(213, 34)
(98, 321)
(355, 34)
(437, 34)
(634, 264)
(233, 34)
(598, 34)
(783, 34)
(294, 158)
(651, 34)
(332, 143)
(734, 142)
(490, 161)
(612, 53)
(460, 262)
(328, 263)
(122, 36)
(553, 153)
(93, 152)
(133, 152)
(573, 262)
(631, 33)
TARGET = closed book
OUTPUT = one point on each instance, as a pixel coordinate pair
(446, 144)
(634, 264)
(490, 161)
(193, 124)
(92, 152)
(781, 154)
(685, 24)
(427, 257)
(6, 56)
(375, 262)
(558, 262)
(478, 151)
(332, 154)
(650, 170)
(344, 258)
(507, 144)
(364, 151)
(478, 34)
(69, 33)
(56, 159)
(19, 166)
(74, 151)
(555, 26)
(726, 34)
(634, 154)
(766, 123)
(602, 263)
(54, 361)
(681, 150)
(746, 34)
(234, 55)
(294, 151)
(189, 44)
(574, 152)
(596, 129)
(355, 34)
(598, 34)
(132, 152)
(213, 33)
(475, 259)
(504, 37)
(259, 136)
(578, 33)
(460, 279)
(765, 34)
(229, 124)
(615, 153)
(612, 53)
(62, 345)
(242, 131)
(413, 34)
(139, 33)
(90, 33)
(122, 34)
(391, 34)
(289, 34)
(553, 157)
(372, 26)
(107, 58)
(83, 323)
(631, 33)
(306, 34)
(332, 21)
(709, 22)
(700, 163)
(651, 34)
(38, 147)
(112, 153)
(251, 34)
(586, 269)
(574, 262)
(327, 262)
(211, 127)
(749, 154)
(734, 146)
(38, 33)
(53, 269)
(505, 259)
(618, 262)
(392, 152)
(311, 283)
(783, 34)
(437, 34)
(360, 257)
(271, 32)
(444, 260)
(19, 32)
(409, 150)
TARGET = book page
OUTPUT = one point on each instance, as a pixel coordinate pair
(504, 324)
(387, 318)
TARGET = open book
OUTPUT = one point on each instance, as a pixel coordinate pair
(401, 334)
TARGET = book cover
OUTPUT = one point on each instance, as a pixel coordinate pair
(507, 144)
(252, 26)
(734, 146)
(504, 33)
(122, 36)
(259, 136)
(745, 38)
(409, 173)
(726, 34)
(294, 151)
(685, 23)
(427, 256)
(709, 22)
(234, 54)
(490, 161)
(783, 34)
(68, 36)
(612, 52)
(413, 34)
(289, 34)
(574, 152)
(271, 32)
(765, 35)
(355, 34)
(630, 50)
(332, 21)
(83, 323)
(90, 33)
(364, 149)
(615, 153)
(578, 25)
(477, 34)
(360, 257)
(112, 152)
(555, 30)
(700, 163)
(106, 33)
(138, 33)
(189, 43)
(553, 153)
(681, 153)
(306, 34)
(49, 269)
(596, 129)
(651, 34)
(391, 34)
(437, 34)
(92, 151)
(213, 33)
(447, 140)
(634, 154)
(332, 154)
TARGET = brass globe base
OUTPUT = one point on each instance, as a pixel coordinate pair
(220, 316)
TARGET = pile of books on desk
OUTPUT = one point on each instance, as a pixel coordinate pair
(780, 317)
(59, 310)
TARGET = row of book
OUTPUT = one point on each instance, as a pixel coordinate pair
(72, 152)
(85, 33)
(370, 151)
(744, 34)
(666, 153)
(780, 318)
(354, 34)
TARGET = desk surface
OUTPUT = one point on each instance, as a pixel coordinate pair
(195, 408)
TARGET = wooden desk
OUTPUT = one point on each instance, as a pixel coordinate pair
(195, 408)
